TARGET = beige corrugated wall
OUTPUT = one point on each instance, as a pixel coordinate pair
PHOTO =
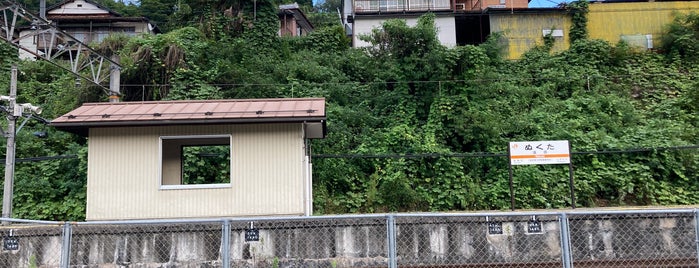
(124, 180)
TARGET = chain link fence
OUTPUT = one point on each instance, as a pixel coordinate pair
(639, 238)
(189, 244)
(663, 239)
(478, 241)
(31, 244)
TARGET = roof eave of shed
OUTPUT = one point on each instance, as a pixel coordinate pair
(81, 128)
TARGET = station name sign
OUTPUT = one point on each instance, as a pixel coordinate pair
(539, 152)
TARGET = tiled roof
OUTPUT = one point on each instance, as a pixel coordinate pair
(191, 112)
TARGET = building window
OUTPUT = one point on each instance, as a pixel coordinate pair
(100, 36)
(128, 31)
(195, 161)
(80, 36)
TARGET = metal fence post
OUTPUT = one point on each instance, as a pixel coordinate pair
(226, 244)
(566, 252)
(696, 232)
(391, 236)
(65, 246)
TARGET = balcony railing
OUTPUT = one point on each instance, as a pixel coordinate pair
(379, 6)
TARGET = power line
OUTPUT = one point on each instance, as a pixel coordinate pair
(425, 155)
(489, 154)
(688, 76)
(638, 150)
(410, 156)
(44, 158)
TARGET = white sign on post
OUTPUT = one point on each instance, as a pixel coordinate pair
(539, 152)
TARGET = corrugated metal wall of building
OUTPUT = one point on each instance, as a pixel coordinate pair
(641, 24)
(266, 174)
(614, 21)
(525, 31)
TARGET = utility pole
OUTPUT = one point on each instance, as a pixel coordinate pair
(10, 155)
(13, 111)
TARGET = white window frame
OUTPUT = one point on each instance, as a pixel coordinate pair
(193, 186)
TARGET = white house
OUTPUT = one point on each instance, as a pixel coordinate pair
(458, 22)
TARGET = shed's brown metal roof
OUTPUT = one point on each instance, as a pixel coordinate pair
(191, 112)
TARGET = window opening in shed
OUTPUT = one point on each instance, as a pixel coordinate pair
(195, 161)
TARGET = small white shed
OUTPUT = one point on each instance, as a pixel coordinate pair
(198, 159)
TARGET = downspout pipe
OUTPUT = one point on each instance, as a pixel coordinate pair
(696, 231)
(308, 180)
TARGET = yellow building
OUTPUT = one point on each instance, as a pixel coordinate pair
(523, 29)
(639, 23)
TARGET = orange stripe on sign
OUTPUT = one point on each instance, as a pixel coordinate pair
(539, 156)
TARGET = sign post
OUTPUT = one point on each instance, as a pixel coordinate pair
(540, 153)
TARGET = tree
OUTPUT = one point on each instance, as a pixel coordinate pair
(159, 12)
(682, 38)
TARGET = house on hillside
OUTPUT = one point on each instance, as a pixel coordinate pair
(470, 22)
(362, 16)
(198, 159)
(90, 22)
(292, 21)
(85, 20)
(459, 22)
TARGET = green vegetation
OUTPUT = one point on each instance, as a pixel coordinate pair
(198, 160)
(412, 125)
(680, 41)
(578, 10)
